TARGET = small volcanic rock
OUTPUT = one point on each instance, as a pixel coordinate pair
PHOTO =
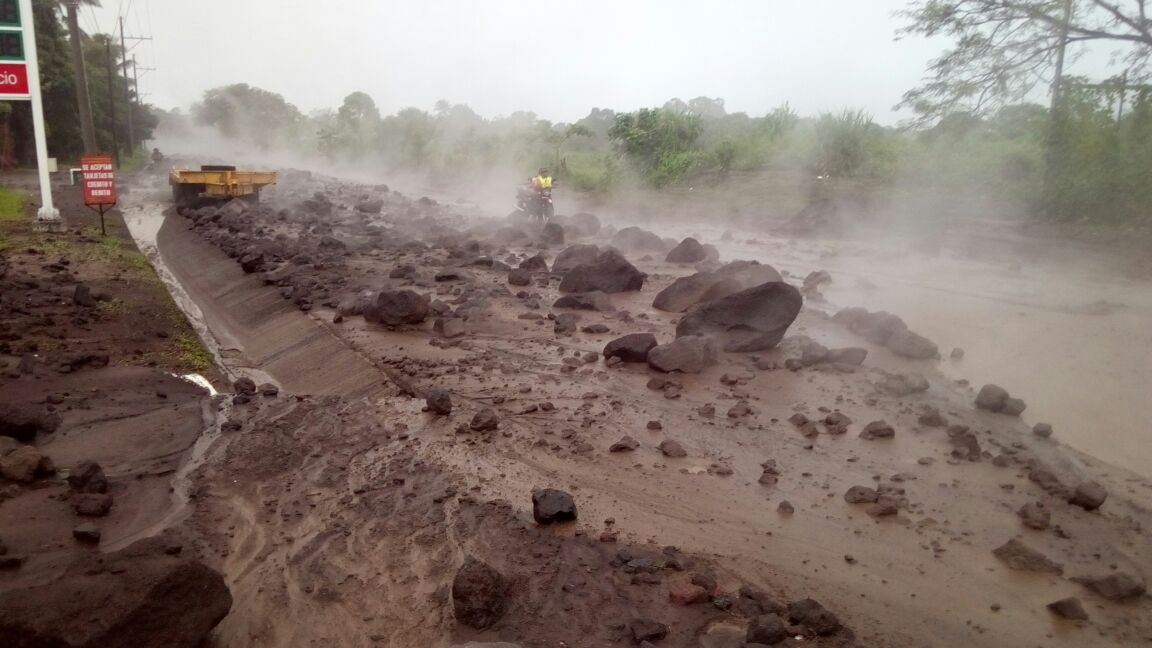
(814, 616)
(644, 630)
(484, 421)
(739, 410)
(1020, 556)
(1068, 608)
(1116, 586)
(767, 629)
(686, 594)
(861, 495)
(245, 386)
(625, 444)
(672, 449)
(479, 594)
(877, 430)
(1089, 496)
(439, 401)
(88, 477)
(1035, 515)
(633, 347)
(92, 504)
(551, 505)
(87, 533)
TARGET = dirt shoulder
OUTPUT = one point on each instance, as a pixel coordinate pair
(81, 299)
(95, 421)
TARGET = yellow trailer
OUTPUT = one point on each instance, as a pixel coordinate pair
(217, 182)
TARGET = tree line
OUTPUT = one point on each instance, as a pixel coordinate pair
(58, 85)
(1105, 159)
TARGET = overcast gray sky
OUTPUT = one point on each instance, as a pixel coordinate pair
(558, 59)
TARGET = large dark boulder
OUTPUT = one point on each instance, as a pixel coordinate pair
(534, 264)
(594, 301)
(686, 292)
(137, 598)
(887, 330)
(583, 224)
(639, 240)
(552, 234)
(876, 327)
(912, 345)
(397, 308)
(767, 630)
(749, 273)
(610, 273)
(704, 286)
(816, 617)
(688, 251)
(688, 354)
(23, 421)
(370, 206)
(755, 319)
(88, 477)
(574, 256)
(1116, 586)
(633, 347)
(479, 594)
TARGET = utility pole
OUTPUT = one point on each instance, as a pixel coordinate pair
(135, 82)
(87, 129)
(112, 99)
(127, 92)
(1057, 124)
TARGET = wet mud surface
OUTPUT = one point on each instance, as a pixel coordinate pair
(342, 509)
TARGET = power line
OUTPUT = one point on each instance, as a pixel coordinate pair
(95, 20)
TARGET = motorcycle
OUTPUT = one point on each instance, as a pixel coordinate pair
(536, 204)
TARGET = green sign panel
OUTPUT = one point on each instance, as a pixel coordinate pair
(9, 13)
(11, 46)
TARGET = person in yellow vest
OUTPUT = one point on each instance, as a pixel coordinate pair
(542, 181)
(542, 186)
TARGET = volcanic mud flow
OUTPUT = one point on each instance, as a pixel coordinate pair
(433, 440)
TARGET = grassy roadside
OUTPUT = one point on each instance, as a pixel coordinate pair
(135, 320)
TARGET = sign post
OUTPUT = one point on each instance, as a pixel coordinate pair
(20, 81)
(99, 184)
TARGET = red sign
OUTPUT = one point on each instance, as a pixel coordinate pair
(99, 181)
(13, 79)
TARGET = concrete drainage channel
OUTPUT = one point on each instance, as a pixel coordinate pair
(144, 222)
(247, 328)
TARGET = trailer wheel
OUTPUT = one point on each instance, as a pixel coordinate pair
(186, 195)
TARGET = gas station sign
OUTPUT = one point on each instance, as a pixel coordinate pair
(20, 80)
(13, 81)
(11, 46)
(10, 13)
(13, 69)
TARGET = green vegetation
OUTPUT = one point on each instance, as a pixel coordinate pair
(1100, 174)
(11, 204)
(57, 83)
(191, 353)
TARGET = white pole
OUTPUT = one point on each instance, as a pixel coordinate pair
(48, 214)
